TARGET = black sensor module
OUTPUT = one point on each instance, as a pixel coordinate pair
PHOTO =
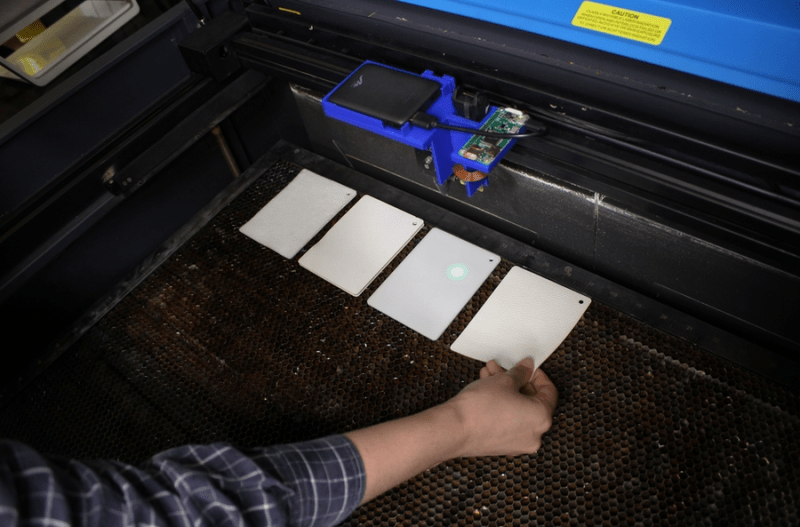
(383, 93)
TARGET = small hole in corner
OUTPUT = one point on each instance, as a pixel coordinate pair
(580, 301)
(414, 223)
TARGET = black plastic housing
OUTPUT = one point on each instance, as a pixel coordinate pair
(208, 50)
(471, 103)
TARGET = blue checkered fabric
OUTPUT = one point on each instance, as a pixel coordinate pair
(314, 483)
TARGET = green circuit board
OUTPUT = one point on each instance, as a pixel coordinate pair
(484, 149)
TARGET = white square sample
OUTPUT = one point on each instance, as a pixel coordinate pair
(361, 244)
(299, 211)
(527, 315)
(434, 282)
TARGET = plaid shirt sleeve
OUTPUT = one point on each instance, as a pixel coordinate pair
(315, 483)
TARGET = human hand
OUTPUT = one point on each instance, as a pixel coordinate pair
(506, 412)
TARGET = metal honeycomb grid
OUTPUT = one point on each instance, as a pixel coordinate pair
(228, 341)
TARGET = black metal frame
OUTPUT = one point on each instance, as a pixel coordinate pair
(206, 116)
(679, 169)
(54, 198)
(61, 217)
(643, 101)
(698, 167)
(66, 112)
(625, 129)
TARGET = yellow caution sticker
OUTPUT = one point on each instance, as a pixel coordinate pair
(624, 23)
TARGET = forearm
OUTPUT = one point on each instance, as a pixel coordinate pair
(501, 414)
(316, 483)
(395, 451)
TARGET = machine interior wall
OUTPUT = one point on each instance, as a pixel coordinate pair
(618, 239)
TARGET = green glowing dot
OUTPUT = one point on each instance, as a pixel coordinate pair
(457, 272)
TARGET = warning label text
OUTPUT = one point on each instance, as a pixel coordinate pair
(622, 22)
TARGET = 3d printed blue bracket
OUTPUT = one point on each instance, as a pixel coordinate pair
(443, 144)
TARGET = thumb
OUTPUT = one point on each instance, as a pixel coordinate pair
(547, 393)
(521, 372)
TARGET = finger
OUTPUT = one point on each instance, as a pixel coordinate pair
(529, 389)
(485, 373)
(493, 367)
(521, 372)
(547, 393)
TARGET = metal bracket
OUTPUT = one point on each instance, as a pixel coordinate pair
(425, 161)
(443, 144)
(209, 51)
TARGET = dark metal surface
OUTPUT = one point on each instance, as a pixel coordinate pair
(726, 177)
(485, 230)
(208, 115)
(602, 214)
(86, 113)
(637, 141)
(40, 231)
(208, 50)
(295, 61)
(72, 252)
(65, 241)
(647, 104)
(88, 267)
(692, 201)
(227, 341)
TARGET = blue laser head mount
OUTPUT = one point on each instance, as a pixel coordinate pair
(443, 144)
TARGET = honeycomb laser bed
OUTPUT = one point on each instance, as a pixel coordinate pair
(227, 340)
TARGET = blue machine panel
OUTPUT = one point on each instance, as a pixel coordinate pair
(444, 144)
(753, 44)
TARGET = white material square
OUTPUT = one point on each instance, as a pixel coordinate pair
(527, 315)
(361, 244)
(299, 211)
(434, 282)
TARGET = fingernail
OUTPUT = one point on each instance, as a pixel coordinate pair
(527, 362)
